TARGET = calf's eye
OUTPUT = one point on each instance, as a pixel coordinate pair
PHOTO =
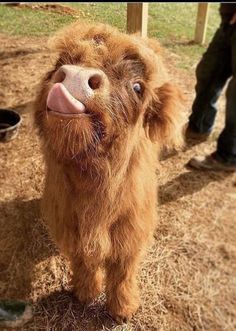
(137, 87)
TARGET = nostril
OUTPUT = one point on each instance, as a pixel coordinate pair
(60, 75)
(95, 81)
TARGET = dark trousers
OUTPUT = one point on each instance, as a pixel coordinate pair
(217, 65)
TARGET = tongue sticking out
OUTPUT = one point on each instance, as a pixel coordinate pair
(61, 101)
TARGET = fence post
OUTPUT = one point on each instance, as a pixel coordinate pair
(137, 18)
(201, 23)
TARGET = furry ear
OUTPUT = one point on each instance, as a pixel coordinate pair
(164, 117)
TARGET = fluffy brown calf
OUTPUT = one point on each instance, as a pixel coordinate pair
(103, 112)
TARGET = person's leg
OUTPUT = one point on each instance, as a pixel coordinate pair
(224, 158)
(226, 147)
(212, 73)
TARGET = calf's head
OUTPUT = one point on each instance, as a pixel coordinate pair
(105, 86)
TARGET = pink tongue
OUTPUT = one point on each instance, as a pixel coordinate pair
(60, 100)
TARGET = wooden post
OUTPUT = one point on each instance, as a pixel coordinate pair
(137, 18)
(201, 23)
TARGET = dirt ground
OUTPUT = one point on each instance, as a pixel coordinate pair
(188, 278)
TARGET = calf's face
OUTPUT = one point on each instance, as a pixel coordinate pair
(102, 86)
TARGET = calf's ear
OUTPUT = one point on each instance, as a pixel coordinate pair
(164, 118)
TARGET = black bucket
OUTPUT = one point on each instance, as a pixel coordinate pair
(9, 124)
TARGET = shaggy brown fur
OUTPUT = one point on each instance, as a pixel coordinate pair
(100, 192)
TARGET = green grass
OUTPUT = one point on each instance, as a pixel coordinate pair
(172, 23)
(27, 22)
(104, 12)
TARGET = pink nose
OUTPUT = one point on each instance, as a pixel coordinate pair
(81, 82)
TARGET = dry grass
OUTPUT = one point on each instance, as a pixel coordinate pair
(188, 279)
